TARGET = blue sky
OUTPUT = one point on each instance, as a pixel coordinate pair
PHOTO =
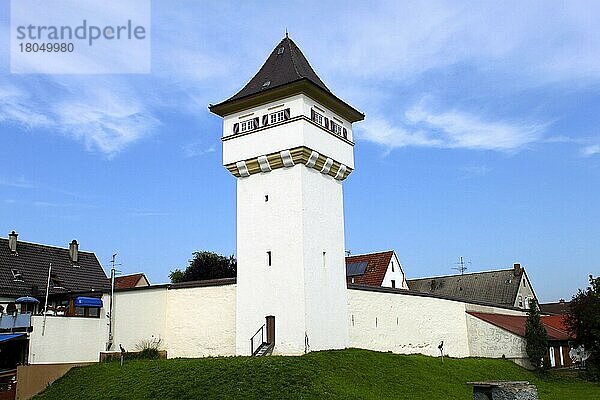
(481, 138)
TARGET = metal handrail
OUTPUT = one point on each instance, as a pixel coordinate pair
(260, 330)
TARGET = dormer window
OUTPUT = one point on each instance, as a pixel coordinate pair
(56, 282)
(17, 276)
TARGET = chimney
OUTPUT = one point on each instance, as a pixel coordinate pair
(517, 269)
(74, 251)
(12, 241)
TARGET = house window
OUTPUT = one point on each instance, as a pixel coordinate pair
(277, 116)
(352, 279)
(269, 258)
(521, 301)
(318, 118)
(89, 312)
(393, 283)
(336, 128)
(246, 126)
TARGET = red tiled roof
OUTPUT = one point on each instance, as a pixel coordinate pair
(376, 268)
(516, 324)
(556, 322)
(128, 281)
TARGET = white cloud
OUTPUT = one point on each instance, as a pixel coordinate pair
(106, 118)
(462, 130)
(399, 41)
(196, 149)
(449, 129)
(15, 107)
(590, 150)
(107, 121)
(379, 130)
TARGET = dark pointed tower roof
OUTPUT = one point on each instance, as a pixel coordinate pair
(285, 71)
(286, 64)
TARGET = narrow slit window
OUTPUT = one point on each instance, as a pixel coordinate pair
(266, 197)
(324, 259)
(269, 258)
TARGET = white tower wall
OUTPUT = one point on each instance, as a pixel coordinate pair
(303, 289)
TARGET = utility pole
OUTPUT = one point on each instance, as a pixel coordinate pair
(113, 272)
(46, 302)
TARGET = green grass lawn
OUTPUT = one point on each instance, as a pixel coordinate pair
(344, 374)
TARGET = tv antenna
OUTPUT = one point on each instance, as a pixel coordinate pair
(461, 266)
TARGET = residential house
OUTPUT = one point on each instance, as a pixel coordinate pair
(76, 283)
(506, 288)
(131, 281)
(376, 269)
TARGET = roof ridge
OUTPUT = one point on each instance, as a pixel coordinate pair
(458, 275)
(48, 245)
(373, 253)
(289, 43)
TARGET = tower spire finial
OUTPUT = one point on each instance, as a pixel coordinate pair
(286, 33)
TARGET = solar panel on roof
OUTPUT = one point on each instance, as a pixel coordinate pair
(357, 268)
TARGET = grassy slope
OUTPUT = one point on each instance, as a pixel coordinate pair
(347, 374)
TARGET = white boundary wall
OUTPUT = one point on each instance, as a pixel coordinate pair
(498, 342)
(139, 315)
(191, 322)
(406, 324)
(201, 321)
(67, 339)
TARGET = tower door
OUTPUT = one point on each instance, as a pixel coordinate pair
(270, 329)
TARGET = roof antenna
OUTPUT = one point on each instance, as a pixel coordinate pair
(461, 266)
(286, 33)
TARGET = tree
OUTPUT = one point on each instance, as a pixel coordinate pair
(206, 265)
(583, 322)
(536, 337)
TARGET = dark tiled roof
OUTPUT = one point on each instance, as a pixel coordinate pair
(286, 64)
(562, 307)
(376, 268)
(32, 261)
(516, 324)
(496, 287)
(129, 281)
